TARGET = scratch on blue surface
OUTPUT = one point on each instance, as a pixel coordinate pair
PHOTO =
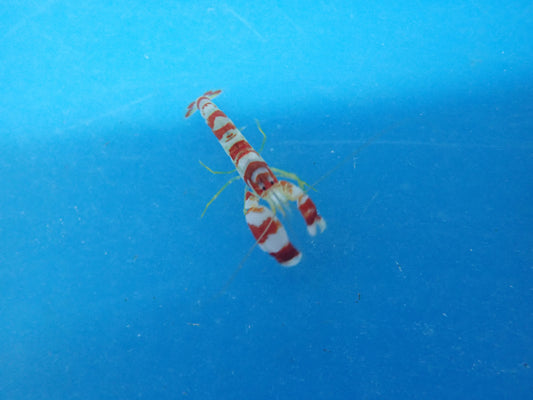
(22, 22)
(109, 113)
(245, 22)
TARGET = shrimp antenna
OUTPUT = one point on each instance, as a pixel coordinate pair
(241, 264)
(358, 150)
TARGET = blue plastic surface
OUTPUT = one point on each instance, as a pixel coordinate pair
(417, 115)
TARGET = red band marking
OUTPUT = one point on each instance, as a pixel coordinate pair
(287, 253)
(239, 149)
(221, 131)
(248, 195)
(263, 231)
(250, 169)
(199, 99)
(309, 212)
(215, 114)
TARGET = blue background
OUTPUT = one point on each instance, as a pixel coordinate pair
(417, 115)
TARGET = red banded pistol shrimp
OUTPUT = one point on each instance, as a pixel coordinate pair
(262, 185)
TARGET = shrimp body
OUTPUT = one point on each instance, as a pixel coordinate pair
(261, 183)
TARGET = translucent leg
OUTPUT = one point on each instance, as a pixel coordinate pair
(285, 174)
(264, 136)
(216, 172)
(289, 175)
(229, 182)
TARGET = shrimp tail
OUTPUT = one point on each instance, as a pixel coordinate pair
(211, 94)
